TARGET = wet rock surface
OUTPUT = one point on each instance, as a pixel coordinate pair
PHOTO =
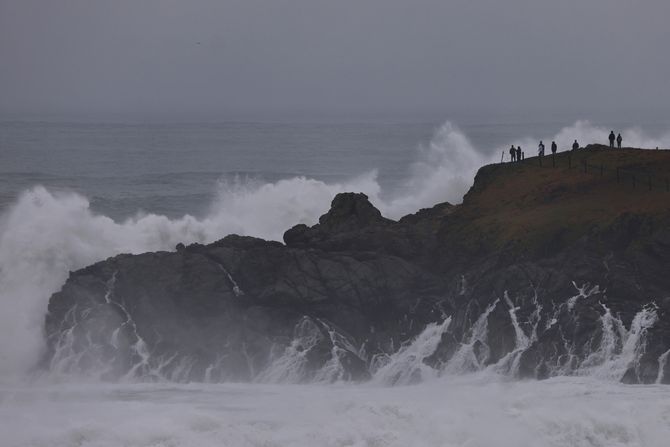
(346, 298)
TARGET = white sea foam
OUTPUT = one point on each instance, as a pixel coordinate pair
(463, 411)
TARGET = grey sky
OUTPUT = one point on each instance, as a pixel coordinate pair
(174, 58)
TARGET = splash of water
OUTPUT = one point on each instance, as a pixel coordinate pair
(296, 363)
(620, 348)
(408, 364)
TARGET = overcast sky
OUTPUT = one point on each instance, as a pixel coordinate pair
(208, 57)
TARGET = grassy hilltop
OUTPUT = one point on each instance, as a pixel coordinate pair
(529, 207)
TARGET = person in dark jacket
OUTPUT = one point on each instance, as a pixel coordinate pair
(518, 153)
(554, 148)
(540, 149)
(512, 153)
(619, 140)
(575, 146)
(612, 137)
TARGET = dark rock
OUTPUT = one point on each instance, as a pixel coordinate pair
(351, 211)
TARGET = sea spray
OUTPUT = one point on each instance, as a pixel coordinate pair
(292, 365)
(303, 359)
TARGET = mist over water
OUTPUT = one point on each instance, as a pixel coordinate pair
(47, 232)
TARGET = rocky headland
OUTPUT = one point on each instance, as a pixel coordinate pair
(541, 271)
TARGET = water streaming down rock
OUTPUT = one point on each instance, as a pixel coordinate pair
(473, 354)
(82, 346)
(408, 365)
(509, 364)
(662, 365)
(317, 353)
(616, 350)
(583, 291)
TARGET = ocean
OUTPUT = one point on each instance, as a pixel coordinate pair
(72, 194)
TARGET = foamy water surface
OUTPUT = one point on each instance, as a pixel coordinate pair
(473, 411)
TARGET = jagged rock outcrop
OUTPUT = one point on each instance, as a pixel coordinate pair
(540, 272)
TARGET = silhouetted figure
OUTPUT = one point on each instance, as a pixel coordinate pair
(619, 140)
(612, 137)
(554, 148)
(512, 153)
(575, 146)
(518, 153)
(540, 149)
(523, 155)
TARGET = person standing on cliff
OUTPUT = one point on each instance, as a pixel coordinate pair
(619, 140)
(575, 146)
(612, 137)
(512, 153)
(518, 153)
(540, 149)
(554, 148)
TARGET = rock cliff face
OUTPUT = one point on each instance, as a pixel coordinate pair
(540, 272)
